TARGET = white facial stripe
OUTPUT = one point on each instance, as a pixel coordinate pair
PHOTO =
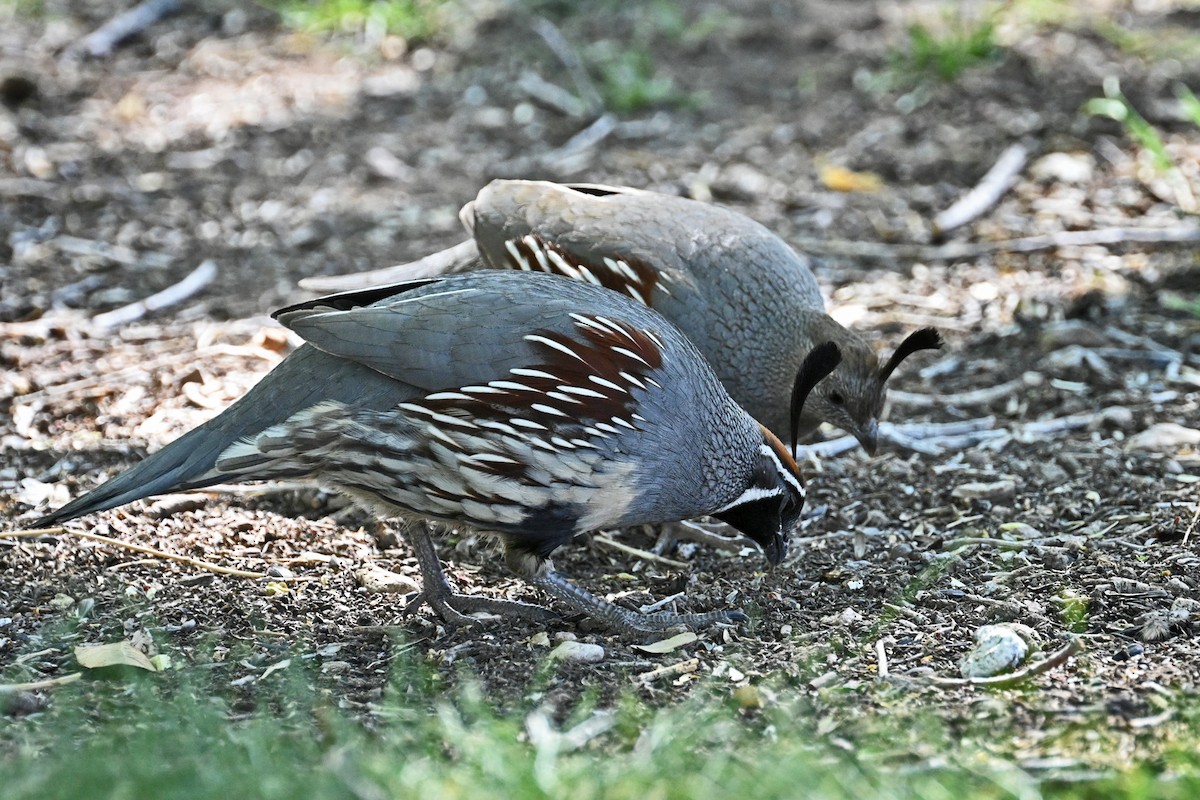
(787, 474)
(751, 495)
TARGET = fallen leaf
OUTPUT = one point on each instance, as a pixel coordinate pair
(840, 179)
(668, 645)
(94, 656)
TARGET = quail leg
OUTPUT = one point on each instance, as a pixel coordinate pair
(453, 608)
(623, 620)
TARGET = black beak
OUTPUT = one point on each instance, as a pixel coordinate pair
(775, 549)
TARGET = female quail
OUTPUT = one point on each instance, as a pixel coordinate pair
(747, 300)
(523, 405)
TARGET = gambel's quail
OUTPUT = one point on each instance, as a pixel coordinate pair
(527, 406)
(747, 300)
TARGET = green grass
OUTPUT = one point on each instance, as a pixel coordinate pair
(1117, 107)
(413, 19)
(630, 81)
(940, 54)
(23, 9)
(173, 735)
(949, 54)
(1178, 302)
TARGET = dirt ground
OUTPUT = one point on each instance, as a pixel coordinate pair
(220, 136)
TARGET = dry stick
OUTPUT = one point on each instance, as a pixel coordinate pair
(975, 397)
(994, 185)
(137, 548)
(956, 251)
(90, 248)
(445, 261)
(932, 438)
(586, 139)
(27, 187)
(634, 551)
(196, 280)
(1191, 526)
(34, 686)
(698, 533)
(1135, 340)
(652, 607)
(881, 659)
(670, 670)
(1073, 646)
(570, 59)
(1001, 544)
(105, 39)
(552, 95)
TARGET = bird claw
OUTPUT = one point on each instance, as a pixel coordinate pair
(622, 620)
(455, 609)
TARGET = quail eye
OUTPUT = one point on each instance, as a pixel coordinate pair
(837, 399)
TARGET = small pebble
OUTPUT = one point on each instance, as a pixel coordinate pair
(1128, 652)
(998, 649)
(578, 652)
(1074, 168)
(1164, 437)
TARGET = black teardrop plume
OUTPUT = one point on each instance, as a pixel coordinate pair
(820, 361)
(924, 339)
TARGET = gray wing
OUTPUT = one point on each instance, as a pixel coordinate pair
(455, 332)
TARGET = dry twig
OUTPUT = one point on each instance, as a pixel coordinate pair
(570, 59)
(137, 548)
(993, 186)
(1191, 526)
(1074, 646)
(670, 670)
(449, 260)
(104, 40)
(196, 280)
(975, 397)
(634, 551)
(34, 686)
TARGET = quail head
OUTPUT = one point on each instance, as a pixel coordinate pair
(747, 300)
(522, 405)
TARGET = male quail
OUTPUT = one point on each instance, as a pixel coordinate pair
(528, 406)
(747, 300)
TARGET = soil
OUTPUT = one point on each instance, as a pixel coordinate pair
(219, 135)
